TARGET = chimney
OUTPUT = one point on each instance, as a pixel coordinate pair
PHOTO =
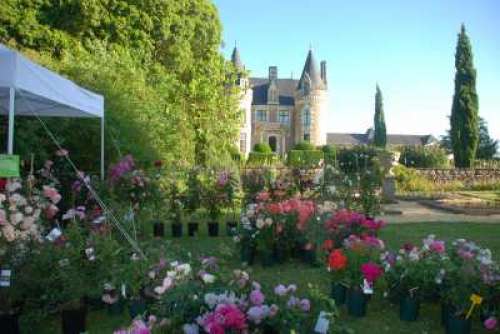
(323, 71)
(273, 73)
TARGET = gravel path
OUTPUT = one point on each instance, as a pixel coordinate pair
(413, 212)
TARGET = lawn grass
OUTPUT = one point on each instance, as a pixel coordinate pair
(382, 317)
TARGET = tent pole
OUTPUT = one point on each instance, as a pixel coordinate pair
(10, 142)
(102, 148)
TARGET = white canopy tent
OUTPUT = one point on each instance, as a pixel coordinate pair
(28, 89)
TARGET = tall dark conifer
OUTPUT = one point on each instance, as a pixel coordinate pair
(380, 137)
(464, 118)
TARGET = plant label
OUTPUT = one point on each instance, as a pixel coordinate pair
(5, 275)
(367, 288)
(54, 234)
(322, 324)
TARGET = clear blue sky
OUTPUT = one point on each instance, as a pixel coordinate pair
(406, 46)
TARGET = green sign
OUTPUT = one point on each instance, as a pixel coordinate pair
(9, 165)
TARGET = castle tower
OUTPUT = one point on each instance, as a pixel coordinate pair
(245, 137)
(311, 97)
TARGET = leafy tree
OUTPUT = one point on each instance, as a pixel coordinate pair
(380, 138)
(487, 147)
(167, 88)
(464, 112)
(262, 148)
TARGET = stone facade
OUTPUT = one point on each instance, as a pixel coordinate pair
(284, 112)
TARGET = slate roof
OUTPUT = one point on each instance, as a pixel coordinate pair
(310, 72)
(236, 59)
(286, 89)
(349, 139)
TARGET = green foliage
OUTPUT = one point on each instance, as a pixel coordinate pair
(464, 112)
(166, 86)
(259, 159)
(356, 158)
(380, 138)
(423, 157)
(262, 148)
(304, 158)
(304, 146)
(408, 180)
(487, 147)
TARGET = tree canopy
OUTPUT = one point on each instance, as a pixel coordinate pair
(167, 88)
(464, 118)
(380, 138)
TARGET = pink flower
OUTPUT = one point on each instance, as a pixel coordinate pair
(257, 297)
(225, 316)
(52, 194)
(491, 323)
(62, 152)
(371, 271)
(262, 196)
(305, 305)
(51, 211)
(438, 246)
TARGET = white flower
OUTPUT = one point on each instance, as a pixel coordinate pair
(268, 221)
(211, 299)
(260, 223)
(208, 278)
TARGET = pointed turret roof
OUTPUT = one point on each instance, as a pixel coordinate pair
(311, 73)
(235, 58)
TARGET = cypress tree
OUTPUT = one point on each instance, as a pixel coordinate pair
(380, 138)
(464, 118)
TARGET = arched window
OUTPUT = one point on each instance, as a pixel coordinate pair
(306, 122)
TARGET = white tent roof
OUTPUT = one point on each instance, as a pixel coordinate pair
(43, 91)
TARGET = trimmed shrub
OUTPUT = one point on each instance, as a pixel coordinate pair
(330, 154)
(304, 146)
(356, 158)
(424, 157)
(305, 158)
(262, 148)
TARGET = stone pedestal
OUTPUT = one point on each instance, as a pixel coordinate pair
(389, 188)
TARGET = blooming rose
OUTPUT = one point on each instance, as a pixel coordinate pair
(337, 260)
(371, 271)
(491, 323)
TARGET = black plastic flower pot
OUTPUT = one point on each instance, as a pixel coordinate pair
(9, 323)
(158, 230)
(456, 325)
(231, 228)
(409, 308)
(192, 229)
(136, 308)
(213, 229)
(116, 308)
(356, 303)
(445, 314)
(309, 256)
(338, 293)
(247, 255)
(73, 321)
(176, 230)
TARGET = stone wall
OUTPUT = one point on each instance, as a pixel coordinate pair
(458, 174)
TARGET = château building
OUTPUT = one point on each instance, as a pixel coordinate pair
(283, 112)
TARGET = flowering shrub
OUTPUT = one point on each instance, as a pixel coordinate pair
(344, 223)
(416, 271)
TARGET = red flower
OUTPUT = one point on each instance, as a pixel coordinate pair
(371, 271)
(337, 260)
(3, 182)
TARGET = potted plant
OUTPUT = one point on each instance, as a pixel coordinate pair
(337, 263)
(175, 210)
(362, 271)
(193, 200)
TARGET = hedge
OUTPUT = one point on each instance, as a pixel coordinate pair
(304, 159)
